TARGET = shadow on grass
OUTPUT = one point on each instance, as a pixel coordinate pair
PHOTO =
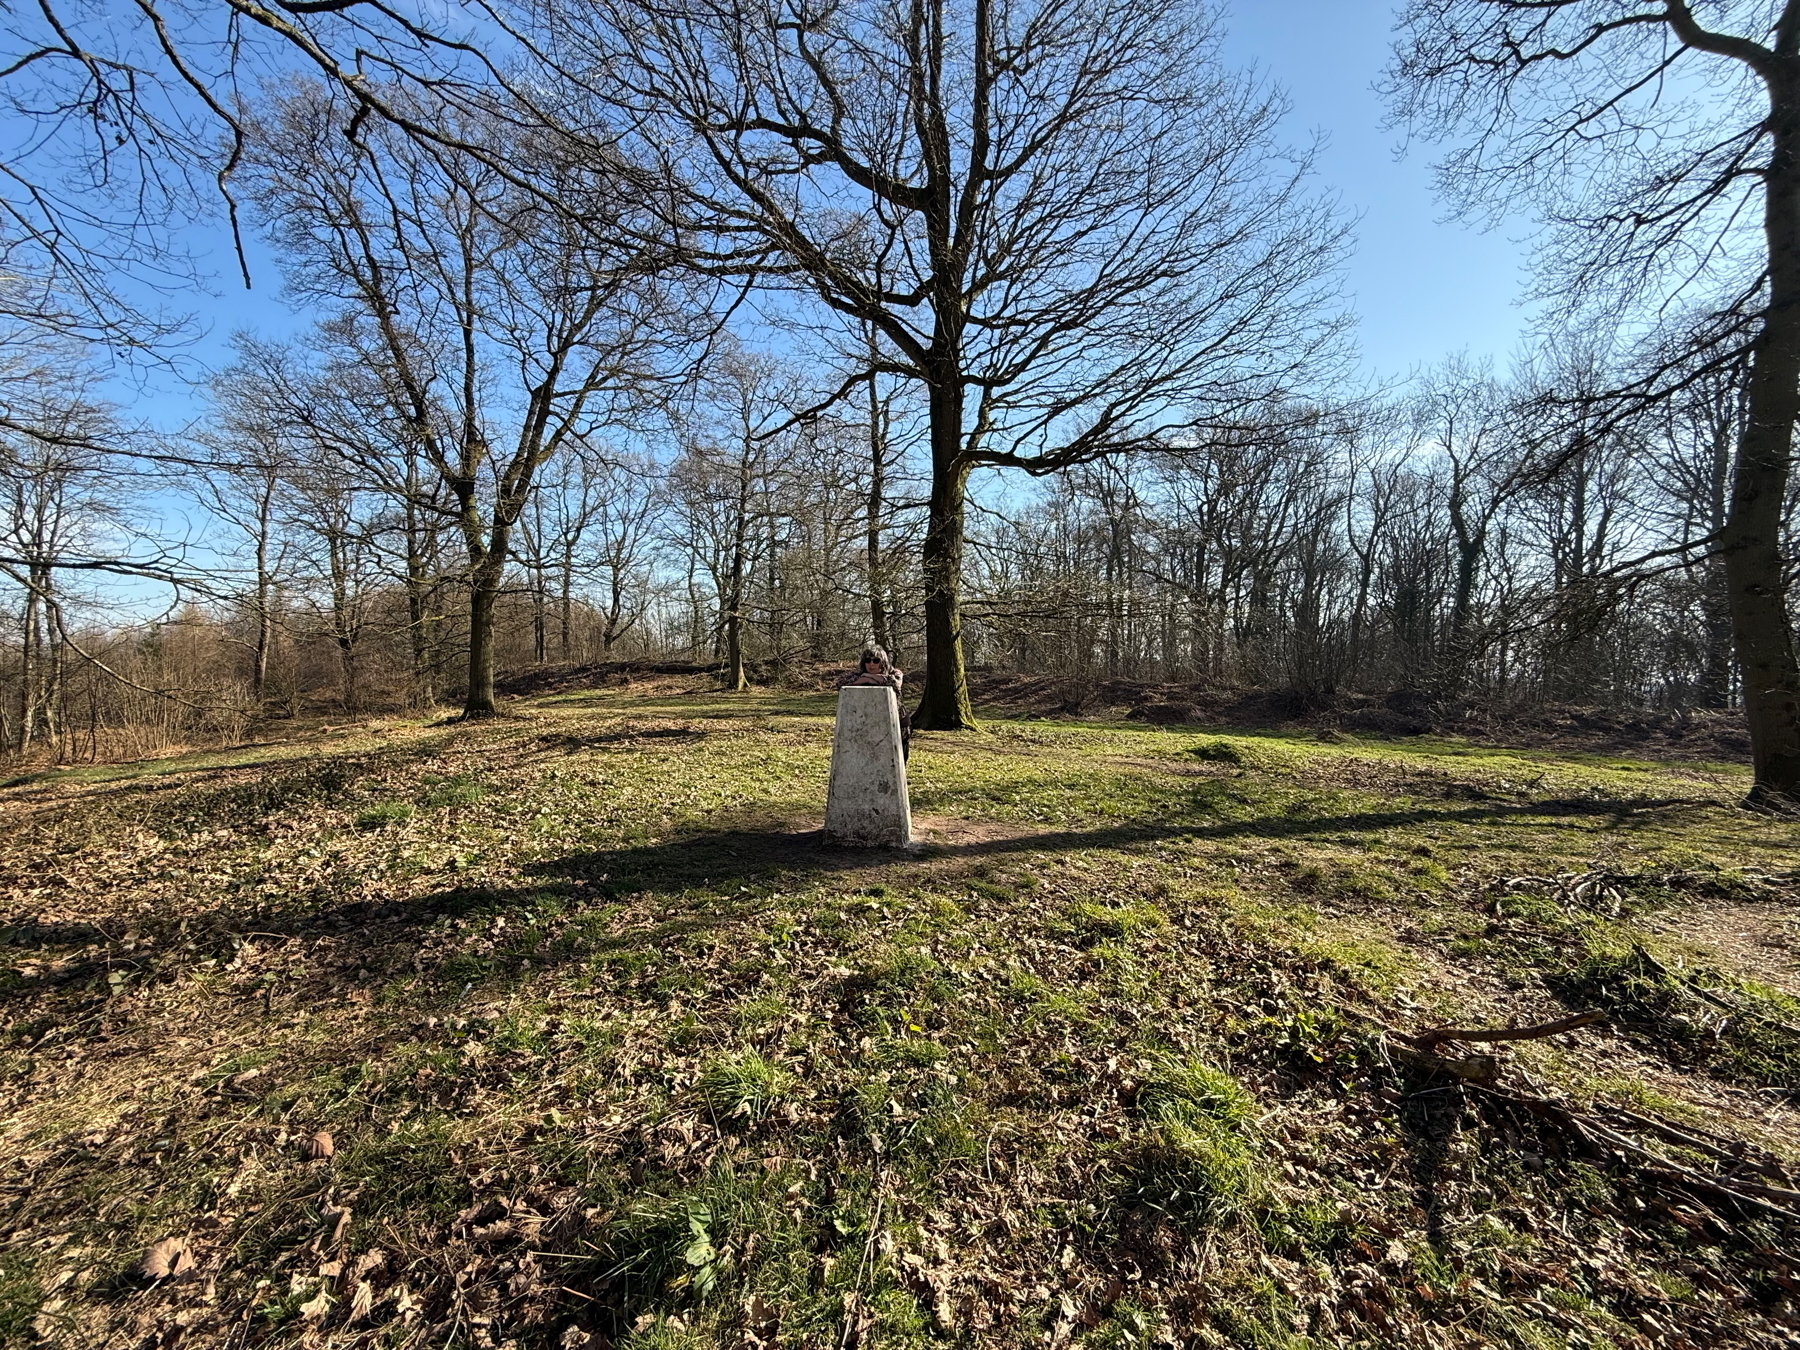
(676, 865)
(708, 879)
(571, 742)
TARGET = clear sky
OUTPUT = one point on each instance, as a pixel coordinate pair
(1421, 287)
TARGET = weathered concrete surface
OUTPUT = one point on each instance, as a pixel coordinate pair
(867, 803)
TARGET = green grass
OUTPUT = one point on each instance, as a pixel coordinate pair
(608, 1039)
(383, 813)
(742, 1087)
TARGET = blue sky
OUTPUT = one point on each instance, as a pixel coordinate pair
(1421, 287)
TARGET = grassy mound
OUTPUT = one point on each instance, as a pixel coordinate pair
(568, 1030)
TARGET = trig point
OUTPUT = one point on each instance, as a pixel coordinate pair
(867, 803)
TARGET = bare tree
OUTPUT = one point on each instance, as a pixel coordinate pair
(1691, 448)
(499, 336)
(1469, 421)
(722, 491)
(1064, 220)
(245, 467)
(328, 504)
(1660, 134)
(629, 491)
(129, 131)
(592, 519)
(56, 498)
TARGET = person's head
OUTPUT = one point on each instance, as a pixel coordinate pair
(874, 657)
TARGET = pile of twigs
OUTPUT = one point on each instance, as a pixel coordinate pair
(1740, 1172)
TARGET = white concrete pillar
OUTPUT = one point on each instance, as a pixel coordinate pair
(867, 802)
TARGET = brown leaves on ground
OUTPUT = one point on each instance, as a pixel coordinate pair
(582, 1061)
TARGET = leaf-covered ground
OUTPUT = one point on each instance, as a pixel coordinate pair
(568, 1031)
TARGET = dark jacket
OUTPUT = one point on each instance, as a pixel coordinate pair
(890, 677)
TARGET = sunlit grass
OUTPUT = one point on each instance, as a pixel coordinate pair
(591, 966)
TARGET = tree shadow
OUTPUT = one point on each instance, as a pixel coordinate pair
(709, 879)
(571, 742)
(748, 856)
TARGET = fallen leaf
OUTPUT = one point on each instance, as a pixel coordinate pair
(168, 1259)
(319, 1146)
(339, 1216)
(317, 1306)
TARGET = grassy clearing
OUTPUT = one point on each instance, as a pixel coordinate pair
(613, 1051)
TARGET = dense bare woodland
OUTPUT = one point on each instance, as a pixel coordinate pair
(1463, 542)
(692, 341)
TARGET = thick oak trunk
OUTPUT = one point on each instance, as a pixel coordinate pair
(1751, 543)
(484, 592)
(735, 678)
(944, 705)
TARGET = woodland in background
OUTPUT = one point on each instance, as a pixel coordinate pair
(1006, 336)
(1459, 543)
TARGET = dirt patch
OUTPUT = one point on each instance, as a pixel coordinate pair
(1760, 942)
(952, 831)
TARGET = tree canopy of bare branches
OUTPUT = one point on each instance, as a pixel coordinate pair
(491, 336)
(1663, 139)
(1065, 221)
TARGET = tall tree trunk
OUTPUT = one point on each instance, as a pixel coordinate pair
(346, 646)
(1359, 611)
(29, 660)
(418, 624)
(565, 606)
(265, 641)
(1714, 686)
(1459, 650)
(484, 592)
(540, 620)
(735, 679)
(616, 627)
(777, 609)
(343, 624)
(944, 705)
(265, 621)
(878, 614)
(1751, 542)
(50, 661)
(421, 591)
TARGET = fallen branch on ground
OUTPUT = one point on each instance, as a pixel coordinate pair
(1427, 1041)
(1597, 1139)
